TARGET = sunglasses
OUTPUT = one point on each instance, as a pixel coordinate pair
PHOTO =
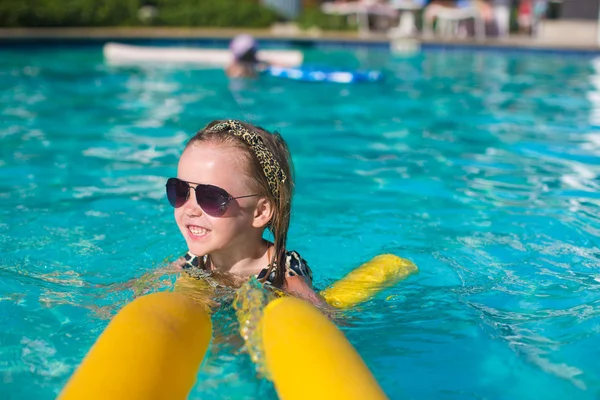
(212, 199)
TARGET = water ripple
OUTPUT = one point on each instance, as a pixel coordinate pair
(482, 168)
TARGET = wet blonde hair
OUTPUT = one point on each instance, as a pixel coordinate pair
(229, 133)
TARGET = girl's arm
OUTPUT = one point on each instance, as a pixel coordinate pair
(301, 287)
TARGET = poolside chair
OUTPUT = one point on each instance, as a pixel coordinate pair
(361, 9)
(407, 24)
(449, 19)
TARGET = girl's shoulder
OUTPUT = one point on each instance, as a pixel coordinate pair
(295, 265)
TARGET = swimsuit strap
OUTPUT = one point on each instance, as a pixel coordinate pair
(191, 261)
(295, 265)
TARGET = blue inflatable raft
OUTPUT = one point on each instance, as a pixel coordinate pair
(323, 75)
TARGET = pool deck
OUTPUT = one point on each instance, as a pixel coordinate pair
(567, 36)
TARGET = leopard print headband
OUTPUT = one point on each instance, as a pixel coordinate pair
(267, 160)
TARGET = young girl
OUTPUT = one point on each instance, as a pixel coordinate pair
(233, 182)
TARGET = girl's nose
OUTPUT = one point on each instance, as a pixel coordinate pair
(191, 206)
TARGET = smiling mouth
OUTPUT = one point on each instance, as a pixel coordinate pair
(197, 232)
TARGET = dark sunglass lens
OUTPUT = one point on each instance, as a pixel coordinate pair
(177, 192)
(212, 199)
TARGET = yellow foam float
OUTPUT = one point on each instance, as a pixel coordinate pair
(152, 349)
(298, 337)
(309, 358)
(366, 281)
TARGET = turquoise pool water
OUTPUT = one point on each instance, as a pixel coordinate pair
(482, 168)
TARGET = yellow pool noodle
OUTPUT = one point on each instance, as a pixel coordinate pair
(309, 358)
(366, 281)
(152, 349)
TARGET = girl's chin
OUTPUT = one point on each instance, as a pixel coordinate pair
(198, 250)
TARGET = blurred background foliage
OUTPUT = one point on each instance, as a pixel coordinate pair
(183, 13)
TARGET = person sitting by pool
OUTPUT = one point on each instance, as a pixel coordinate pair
(245, 63)
(234, 182)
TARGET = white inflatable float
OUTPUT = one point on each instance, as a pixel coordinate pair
(116, 53)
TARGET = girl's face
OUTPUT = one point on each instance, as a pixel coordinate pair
(222, 166)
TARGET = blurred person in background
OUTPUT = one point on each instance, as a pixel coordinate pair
(245, 63)
(502, 16)
(530, 14)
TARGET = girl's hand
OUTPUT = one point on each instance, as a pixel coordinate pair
(178, 264)
(300, 287)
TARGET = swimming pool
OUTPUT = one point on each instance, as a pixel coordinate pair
(481, 167)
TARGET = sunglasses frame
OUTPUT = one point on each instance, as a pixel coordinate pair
(227, 198)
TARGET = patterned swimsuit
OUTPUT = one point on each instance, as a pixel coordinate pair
(295, 265)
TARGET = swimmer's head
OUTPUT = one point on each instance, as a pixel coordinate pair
(244, 48)
(267, 165)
